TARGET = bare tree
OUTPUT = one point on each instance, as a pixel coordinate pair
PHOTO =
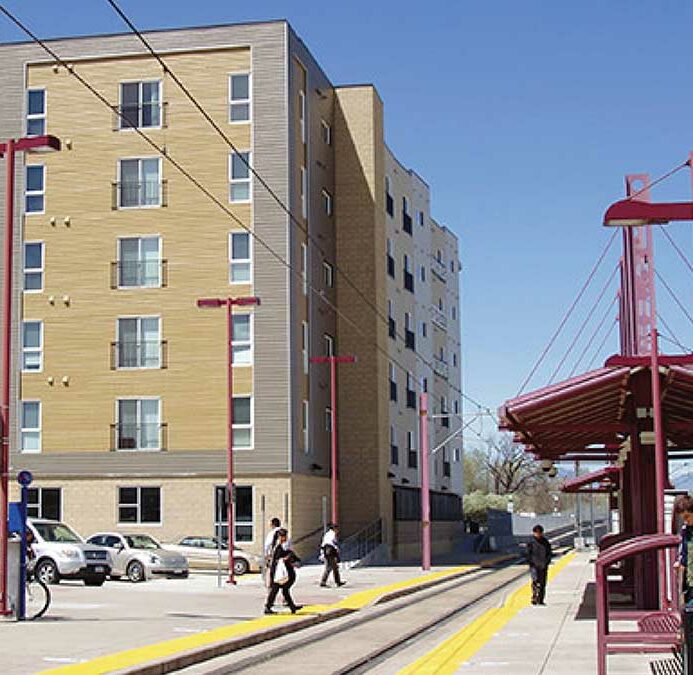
(511, 469)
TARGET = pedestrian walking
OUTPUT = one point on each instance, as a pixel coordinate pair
(282, 573)
(684, 561)
(329, 553)
(270, 541)
(539, 556)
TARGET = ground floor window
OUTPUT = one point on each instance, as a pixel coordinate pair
(45, 503)
(243, 513)
(139, 505)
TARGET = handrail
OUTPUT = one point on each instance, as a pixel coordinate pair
(641, 544)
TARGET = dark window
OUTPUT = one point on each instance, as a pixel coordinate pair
(406, 218)
(394, 454)
(408, 281)
(44, 503)
(389, 204)
(410, 340)
(411, 399)
(139, 505)
(446, 469)
(445, 421)
(391, 266)
(243, 513)
(392, 328)
(393, 391)
(412, 459)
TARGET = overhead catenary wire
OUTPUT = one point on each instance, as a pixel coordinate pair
(674, 339)
(591, 312)
(592, 337)
(674, 296)
(682, 255)
(599, 349)
(200, 186)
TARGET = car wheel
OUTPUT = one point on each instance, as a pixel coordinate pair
(135, 572)
(47, 571)
(240, 566)
(96, 580)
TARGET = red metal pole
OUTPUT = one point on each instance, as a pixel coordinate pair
(6, 374)
(425, 485)
(333, 413)
(229, 436)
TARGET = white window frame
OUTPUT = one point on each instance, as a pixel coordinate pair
(407, 263)
(32, 350)
(250, 426)
(304, 268)
(305, 425)
(302, 113)
(390, 310)
(304, 192)
(411, 443)
(305, 339)
(241, 181)
(241, 101)
(326, 132)
(140, 259)
(140, 106)
(244, 343)
(139, 522)
(407, 321)
(328, 341)
(33, 270)
(33, 430)
(37, 116)
(138, 422)
(411, 386)
(241, 261)
(140, 182)
(327, 202)
(405, 205)
(328, 274)
(35, 193)
(392, 372)
(139, 318)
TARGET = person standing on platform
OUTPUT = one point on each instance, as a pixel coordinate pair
(329, 552)
(539, 556)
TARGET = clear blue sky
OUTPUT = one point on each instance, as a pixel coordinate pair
(523, 117)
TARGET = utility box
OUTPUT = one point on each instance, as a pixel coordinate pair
(13, 574)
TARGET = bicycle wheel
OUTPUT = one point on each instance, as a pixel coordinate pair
(38, 597)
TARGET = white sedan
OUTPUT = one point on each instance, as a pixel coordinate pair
(208, 553)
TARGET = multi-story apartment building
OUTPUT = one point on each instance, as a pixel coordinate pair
(121, 379)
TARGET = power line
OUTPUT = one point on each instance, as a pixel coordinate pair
(682, 255)
(593, 336)
(656, 181)
(585, 322)
(167, 155)
(601, 344)
(569, 312)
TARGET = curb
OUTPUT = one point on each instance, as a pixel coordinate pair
(198, 655)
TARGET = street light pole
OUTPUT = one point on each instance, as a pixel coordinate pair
(333, 361)
(9, 149)
(229, 303)
(425, 485)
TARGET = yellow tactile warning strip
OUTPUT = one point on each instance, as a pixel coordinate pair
(453, 652)
(141, 655)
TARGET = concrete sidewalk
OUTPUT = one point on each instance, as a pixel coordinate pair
(558, 639)
(83, 623)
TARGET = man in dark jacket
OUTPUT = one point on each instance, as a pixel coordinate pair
(539, 557)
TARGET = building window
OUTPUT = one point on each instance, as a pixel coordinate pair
(329, 345)
(389, 200)
(304, 345)
(408, 276)
(244, 530)
(30, 426)
(302, 114)
(453, 312)
(454, 360)
(240, 258)
(327, 202)
(36, 112)
(390, 259)
(239, 177)
(421, 218)
(140, 104)
(139, 505)
(32, 346)
(239, 98)
(412, 456)
(422, 273)
(139, 262)
(44, 503)
(452, 265)
(328, 272)
(304, 192)
(328, 420)
(457, 407)
(424, 329)
(304, 268)
(394, 450)
(305, 426)
(409, 335)
(392, 374)
(139, 425)
(35, 196)
(33, 266)
(242, 339)
(326, 133)
(445, 421)
(458, 455)
(391, 323)
(139, 343)
(242, 422)
(424, 385)
(406, 218)
(411, 393)
(139, 183)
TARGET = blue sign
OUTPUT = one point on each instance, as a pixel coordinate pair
(15, 517)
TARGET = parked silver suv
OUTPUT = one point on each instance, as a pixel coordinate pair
(62, 554)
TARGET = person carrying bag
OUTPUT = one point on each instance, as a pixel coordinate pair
(282, 574)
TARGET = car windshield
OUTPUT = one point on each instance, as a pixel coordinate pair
(57, 532)
(141, 541)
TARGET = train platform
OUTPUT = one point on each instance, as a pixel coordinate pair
(516, 638)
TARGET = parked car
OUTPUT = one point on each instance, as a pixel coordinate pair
(62, 554)
(203, 552)
(139, 556)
